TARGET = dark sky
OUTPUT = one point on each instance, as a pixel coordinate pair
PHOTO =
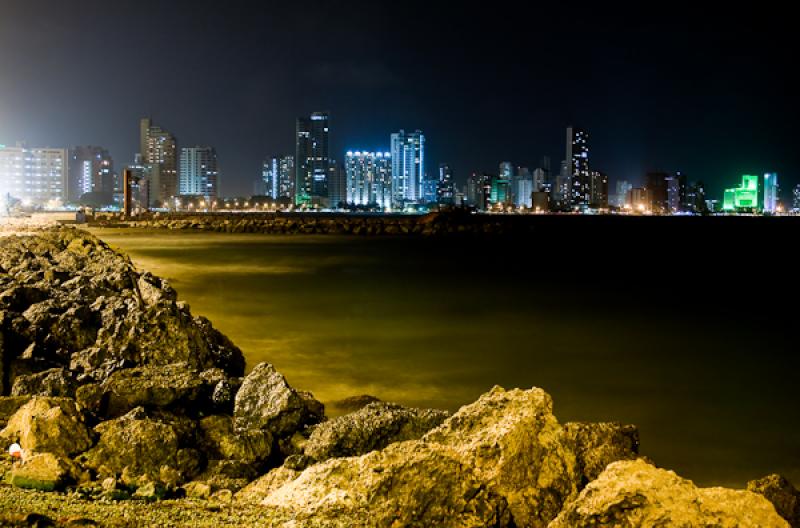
(706, 90)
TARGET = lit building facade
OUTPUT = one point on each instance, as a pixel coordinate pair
(623, 187)
(796, 198)
(159, 149)
(37, 175)
(312, 159)
(770, 193)
(578, 167)
(278, 175)
(446, 186)
(742, 198)
(91, 170)
(408, 167)
(657, 189)
(598, 190)
(478, 191)
(199, 173)
(369, 178)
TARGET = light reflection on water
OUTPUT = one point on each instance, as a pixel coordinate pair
(412, 322)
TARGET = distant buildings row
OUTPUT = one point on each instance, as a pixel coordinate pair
(163, 172)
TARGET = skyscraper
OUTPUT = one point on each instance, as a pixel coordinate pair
(578, 166)
(623, 188)
(199, 172)
(446, 186)
(312, 161)
(408, 167)
(159, 149)
(38, 175)
(91, 169)
(278, 175)
(657, 191)
(478, 191)
(676, 192)
(337, 184)
(369, 178)
(770, 193)
(796, 198)
(598, 190)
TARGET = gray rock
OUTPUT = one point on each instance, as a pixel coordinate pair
(373, 427)
(266, 401)
(783, 496)
(635, 493)
(596, 445)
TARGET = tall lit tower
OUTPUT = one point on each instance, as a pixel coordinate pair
(408, 166)
(199, 172)
(770, 193)
(578, 166)
(312, 159)
(159, 149)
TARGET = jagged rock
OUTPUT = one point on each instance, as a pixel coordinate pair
(197, 490)
(48, 424)
(352, 404)
(139, 444)
(266, 401)
(257, 490)
(57, 382)
(783, 496)
(150, 491)
(635, 493)
(596, 445)
(373, 427)
(228, 474)
(41, 471)
(166, 386)
(393, 487)
(10, 405)
(517, 447)
(222, 442)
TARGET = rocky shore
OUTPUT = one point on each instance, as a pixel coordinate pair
(131, 411)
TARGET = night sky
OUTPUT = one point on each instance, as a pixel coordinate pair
(705, 90)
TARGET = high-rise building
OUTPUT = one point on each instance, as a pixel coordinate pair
(796, 198)
(676, 192)
(140, 183)
(478, 191)
(656, 185)
(408, 167)
(369, 178)
(312, 160)
(278, 175)
(337, 184)
(199, 172)
(540, 180)
(696, 198)
(159, 149)
(639, 200)
(770, 193)
(562, 188)
(742, 198)
(598, 187)
(91, 170)
(38, 175)
(623, 187)
(578, 167)
(446, 186)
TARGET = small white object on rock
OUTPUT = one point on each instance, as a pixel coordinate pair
(15, 451)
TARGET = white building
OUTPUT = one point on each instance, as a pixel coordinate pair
(35, 175)
(408, 167)
(199, 175)
(369, 178)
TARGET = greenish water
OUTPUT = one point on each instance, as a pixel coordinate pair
(712, 388)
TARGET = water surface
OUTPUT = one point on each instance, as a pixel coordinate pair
(674, 327)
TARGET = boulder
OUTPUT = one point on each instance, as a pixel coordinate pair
(139, 445)
(10, 405)
(406, 484)
(596, 445)
(635, 493)
(175, 385)
(48, 424)
(516, 446)
(783, 496)
(266, 401)
(56, 382)
(42, 472)
(373, 427)
(352, 403)
(264, 486)
(221, 442)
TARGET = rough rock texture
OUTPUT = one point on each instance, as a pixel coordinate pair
(635, 493)
(257, 490)
(783, 496)
(266, 401)
(393, 487)
(596, 445)
(48, 425)
(351, 404)
(144, 446)
(516, 446)
(373, 427)
(42, 471)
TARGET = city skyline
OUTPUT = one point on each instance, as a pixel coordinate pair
(651, 104)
